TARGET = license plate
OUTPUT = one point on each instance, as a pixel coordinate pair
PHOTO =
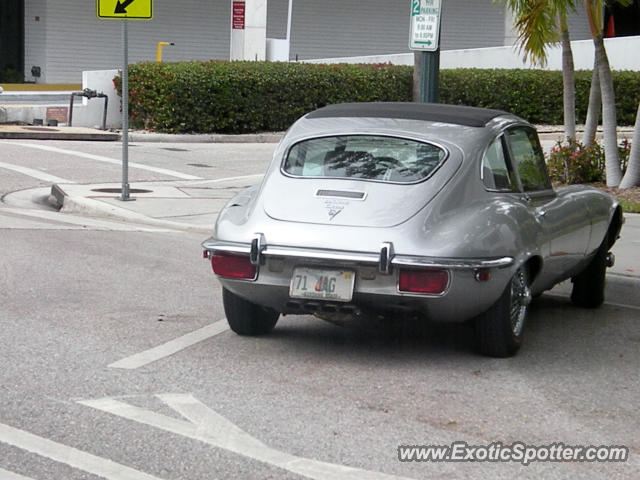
(334, 285)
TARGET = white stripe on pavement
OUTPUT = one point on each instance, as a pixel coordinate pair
(610, 304)
(67, 219)
(73, 457)
(113, 161)
(40, 175)
(212, 428)
(161, 351)
(226, 179)
(7, 475)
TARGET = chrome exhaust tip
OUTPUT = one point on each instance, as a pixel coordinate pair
(610, 260)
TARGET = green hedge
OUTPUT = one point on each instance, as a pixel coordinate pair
(251, 96)
(239, 97)
(535, 95)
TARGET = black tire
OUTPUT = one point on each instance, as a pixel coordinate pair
(588, 285)
(499, 330)
(246, 318)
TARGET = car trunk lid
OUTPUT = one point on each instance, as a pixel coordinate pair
(346, 202)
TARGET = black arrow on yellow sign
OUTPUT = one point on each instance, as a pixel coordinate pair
(121, 7)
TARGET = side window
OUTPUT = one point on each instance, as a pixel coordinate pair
(528, 159)
(495, 173)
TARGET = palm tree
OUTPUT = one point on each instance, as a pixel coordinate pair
(568, 80)
(540, 23)
(632, 176)
(595, 16)
(593, 111)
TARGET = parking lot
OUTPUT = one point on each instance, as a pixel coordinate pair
(119, 363)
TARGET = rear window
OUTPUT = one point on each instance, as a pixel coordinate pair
(366, 157)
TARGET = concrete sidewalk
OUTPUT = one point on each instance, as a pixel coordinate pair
(184, 205)
(38, 132)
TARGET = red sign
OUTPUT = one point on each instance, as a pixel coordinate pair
(58, 113)
(238, 15)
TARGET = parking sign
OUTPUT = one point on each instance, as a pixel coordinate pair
(425, 25)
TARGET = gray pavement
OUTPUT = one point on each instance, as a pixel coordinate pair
(194, 205)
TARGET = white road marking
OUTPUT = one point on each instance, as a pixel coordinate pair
(622, 305)
(66, 221)
(161, 351)
(113, 161)
(7, 475)
(40, 175)
(210, 427)
(222, 180)
(73, 457)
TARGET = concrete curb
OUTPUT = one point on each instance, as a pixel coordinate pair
(546, 132)
(89, 206)
(204, 138)
(32, 132)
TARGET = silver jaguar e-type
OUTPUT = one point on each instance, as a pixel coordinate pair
(440, 211)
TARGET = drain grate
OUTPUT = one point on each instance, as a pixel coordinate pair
(199, 165)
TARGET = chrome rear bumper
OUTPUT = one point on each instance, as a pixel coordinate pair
(384, 259)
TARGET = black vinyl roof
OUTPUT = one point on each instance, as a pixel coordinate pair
(430, 112)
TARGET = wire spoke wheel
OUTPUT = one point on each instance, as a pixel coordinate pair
(520, 300)
(499, 330)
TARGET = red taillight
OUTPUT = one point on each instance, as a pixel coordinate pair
(433, 281)
(232, 266)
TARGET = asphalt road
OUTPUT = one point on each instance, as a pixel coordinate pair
(117, 362)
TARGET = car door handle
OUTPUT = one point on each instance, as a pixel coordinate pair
(542, 213)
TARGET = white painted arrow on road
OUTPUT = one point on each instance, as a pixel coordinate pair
(208, 426)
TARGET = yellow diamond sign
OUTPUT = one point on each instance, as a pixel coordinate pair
(129, 9)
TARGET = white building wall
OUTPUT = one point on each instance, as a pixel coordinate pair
(509, 57)
(277, 18)
(466, 24)
(68, 38)
(35, 34)
(352, 27)
(77, 40)
(348, 27)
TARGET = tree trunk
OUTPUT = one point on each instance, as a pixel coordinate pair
(568, 83)
(632, 176)
(609, 120)
(595, 108)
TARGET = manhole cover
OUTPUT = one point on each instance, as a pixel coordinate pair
(119, 190)
(41, 129)
(200, 165)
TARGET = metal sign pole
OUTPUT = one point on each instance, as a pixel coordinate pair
(429, 81)
(125, 114)
(424, 36)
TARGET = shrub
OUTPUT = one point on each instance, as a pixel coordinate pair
(535, 95)
(572, 162)
(238, 97)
